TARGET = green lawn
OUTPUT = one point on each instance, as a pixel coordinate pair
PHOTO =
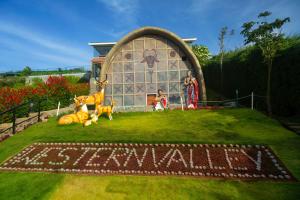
(241, 126)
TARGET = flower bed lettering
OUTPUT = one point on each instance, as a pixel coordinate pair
(199, 160)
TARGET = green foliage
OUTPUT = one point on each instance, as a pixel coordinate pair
(72, 79)
(268, 37)
(59, 71)
(12, 81)
(227, 126)
(36, 81)
(244, 70)
(202, 53)
(26, 71)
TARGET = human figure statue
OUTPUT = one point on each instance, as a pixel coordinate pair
(161, 101)
(191, 91)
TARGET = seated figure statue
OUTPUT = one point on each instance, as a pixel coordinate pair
(161, 101)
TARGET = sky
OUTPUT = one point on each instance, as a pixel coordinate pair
(46, 34)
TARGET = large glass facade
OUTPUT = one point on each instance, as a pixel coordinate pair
(143, 66)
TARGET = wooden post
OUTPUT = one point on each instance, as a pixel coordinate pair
(58, 106)
(39, 110)
(181, 101)
(252, 100)
(14, 121)
(237, 97)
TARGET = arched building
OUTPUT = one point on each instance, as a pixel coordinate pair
(145, 60)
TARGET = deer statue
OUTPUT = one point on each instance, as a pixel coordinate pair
(105, 110)
(96, 98)
(81, 114)
(79, 117)
(108, 110)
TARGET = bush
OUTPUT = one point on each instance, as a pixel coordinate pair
(243, 69)
(36, 81)
(54, 90)
(72, 79)
(14, 81)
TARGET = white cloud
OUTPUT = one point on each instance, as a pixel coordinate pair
(202, 6)
(124, 11)
(41, 39)
(10, 45)
(121, 6)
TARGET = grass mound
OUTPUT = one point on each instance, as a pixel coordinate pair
(228, 126)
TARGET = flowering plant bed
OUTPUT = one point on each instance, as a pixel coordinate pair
(246, 162)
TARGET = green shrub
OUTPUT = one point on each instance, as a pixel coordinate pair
(14, 82)
(243, 69)
(72, 79)
(36, 81)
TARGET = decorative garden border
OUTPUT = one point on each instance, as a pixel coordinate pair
(246, 162)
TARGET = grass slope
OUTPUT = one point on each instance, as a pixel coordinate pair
(241, 126)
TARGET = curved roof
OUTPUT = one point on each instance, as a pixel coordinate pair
(148, 30)
(110, 44)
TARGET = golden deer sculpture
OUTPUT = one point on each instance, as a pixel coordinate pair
(78, 117)
(96, 98)
(105, 110)
(82, 116)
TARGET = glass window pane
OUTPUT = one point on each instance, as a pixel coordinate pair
(151, 88)
(173, 64)
(162, 65)
(149, 44)
(163, 87)
(118, 100)
(138, 44)
(128, 89)
(117, 78)
(161, 43)
(150, 77)
(128, 78)
(173, 76)
(140, 100)
(139, 77)
(140, 88)
(173, 87)
(128, 67)
(108, 89)
(139, 67)
(128, 100)
(162, 76)
(117, 89)
(117, 67)
(138, 55)
(162, 54)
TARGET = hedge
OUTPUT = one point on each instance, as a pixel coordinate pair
(243, 69)
(54, 90)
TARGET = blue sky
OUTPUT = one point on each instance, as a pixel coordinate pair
(55, 33)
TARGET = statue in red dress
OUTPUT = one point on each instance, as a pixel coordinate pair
(191, 91)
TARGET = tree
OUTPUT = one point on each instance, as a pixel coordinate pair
(202, 53)
(26, 71)
(222, 35)
(269, 38)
